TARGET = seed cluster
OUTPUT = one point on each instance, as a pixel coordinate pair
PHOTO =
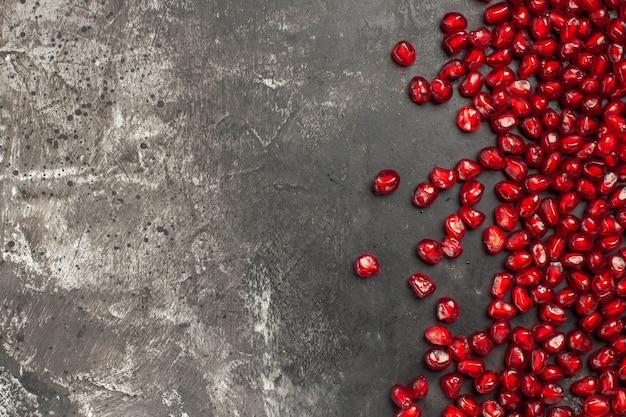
(549, 76)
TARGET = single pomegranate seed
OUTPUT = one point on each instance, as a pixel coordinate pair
(602, 359)
(499, 331)
(502, 284)
(386, 181)
(419, 90)
(518, 261)
(521, 299)
(471, 367)
(571, 362)
(561, 411)
(467, 169)
(579, 341)
(596, 406)
(403, 53)
(425, 194)
(530, 385)
(401, 396)
(419, 387)
(451, 410)
(366, 265)
(555, 343)
(411, 411)
(440, 90)
(468, 119)
(459, 348)
(448, 310)
(487, 382)
(437, 359)
(510, 379)
(469, 405)
(438, 335)
(501, 310)
(485, 104)
(451, 247)
(472, 217)
(453, 22)
(443, 178)
(618, 402)
(452, 70)
(506, 216)
(451, 385)
(429, 251)
(422, 285)
(553, 314)
(494, 238)
(471, 85)
(455, 42)
(492, 158)
(538, 360)
(490, 408)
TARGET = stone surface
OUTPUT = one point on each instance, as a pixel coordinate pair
(184, 186)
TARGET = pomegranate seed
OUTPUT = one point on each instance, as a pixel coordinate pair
(561, 411)
(419, 90)
(485, 104)
(490, 408)
(453, 22)
(425, 194)
(472, 217)
(571, 362)
(530, 385)
(552, 314)
(451, 247)
(521, 299)
(455, 42)
(471, 85)
(437, 359)
(499, 331)
(596, 406)
(518, 261)
(467, 169)
(480, 343)
(555, 343)
(440, 90)
(471, 367)
(411, 411)
(386, 181)
(494, 239)
(366, 265)
(618, 402)
(419, 387)
(443, 178)
(501, 310)
(451, 410)
(429, 251)
(502, 284)
(469, 405)
(487, 382)
(492, 158)
(459, 348)
(448, 310)
(468, 119)
(451, 385)
(602, 359)
(403, 53)
(452, 70)
(401, 396)
(422, 285)
(506, 216)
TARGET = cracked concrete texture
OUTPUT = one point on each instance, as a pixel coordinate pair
(183, 185)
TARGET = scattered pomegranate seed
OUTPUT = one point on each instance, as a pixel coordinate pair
(403, 53)
(366, 265)
(447, 310)
(386, 182)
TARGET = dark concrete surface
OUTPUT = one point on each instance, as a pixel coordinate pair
(184, 187)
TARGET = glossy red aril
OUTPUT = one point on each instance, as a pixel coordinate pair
(453, 22)
(468, 119)
(419, 90)
(499, 331)
(422, 284)
(442, 178)
(411, 411)
(530, 385)
(472, 217)
(452, 410)
(440, 90)
(419, 387)
(480, 343)
(429, 251)
(451, 384)
(403, 53)
(602, 359)
(455, 42)
(448, 310)
(494, 238)
(506, 217)
(437, 359)
(471, 367)
(467, 169)
(492, 158)
(468, 404)
(487, 382)
(618, 402)
(366, 265)
(459, 348)
(452, 70)
(386, 181)
(438, 334)
(451, 247)
(425, 194)
(596, 406)
(401, 396)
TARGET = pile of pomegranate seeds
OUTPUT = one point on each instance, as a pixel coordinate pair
(548, 77)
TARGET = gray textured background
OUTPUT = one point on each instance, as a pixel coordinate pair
(184, 185)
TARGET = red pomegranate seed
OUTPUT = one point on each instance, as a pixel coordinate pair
(585, 387)
(453, 22)
(403, 53)
(602, 359)
(455, 42)
(386, 181)
(459, 348)
(448, 310)
(467, 169)
(571, 362)
(412, 411)
(471, 85)
(472, 217)
(494, 238)
(618, 402)
(425, 194)
(451, 247)
(419, 90)
(401, 396)
(596, 406)
(366, 265)
(429, 251)
(451, 385)
(419, 387)
(501, 310)
(451, 410)
(551, 393)
(490, 408)
(437, 359)
(530, 385)
(440, 90)
(468, 119)
(521, 299)
(492, 158)
(502, 284)
(487, 382)
(471, 367)
(506, 216)
(510, 379)
(469, 405)
(442, 178)
(438, 334)
(422, 285)
(452, 70)
(499, 331)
